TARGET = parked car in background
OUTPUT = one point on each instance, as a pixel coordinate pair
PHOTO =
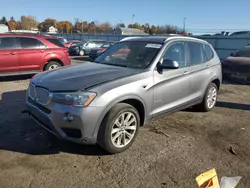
(64, 41)
(240, 33)
(95, 52)
(84, 48)
(30, 53)
(74, 42)
(237, 65)
(106, 101)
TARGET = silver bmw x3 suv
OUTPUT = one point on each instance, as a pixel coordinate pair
(131, 83)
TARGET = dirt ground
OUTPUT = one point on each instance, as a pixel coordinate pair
(170, 152)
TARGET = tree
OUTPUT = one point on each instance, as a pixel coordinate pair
(28, 22)
(68, 26)
(153, 30)
(13, 25)
(3, 20)
(120, 25)
(46, 24)
(104, 28)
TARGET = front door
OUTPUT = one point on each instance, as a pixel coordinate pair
(30, 54)
(8, 55)
(171, 86)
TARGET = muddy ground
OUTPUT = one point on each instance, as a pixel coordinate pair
(170, 152)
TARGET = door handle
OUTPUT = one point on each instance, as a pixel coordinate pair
(42, 51)
(208, 66)
(186, 72)
(12, 53)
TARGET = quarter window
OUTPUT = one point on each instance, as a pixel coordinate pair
(7, 43)
(176, 52)
(29, 43)
(209, 52)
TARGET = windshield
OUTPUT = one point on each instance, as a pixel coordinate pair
(132, 54)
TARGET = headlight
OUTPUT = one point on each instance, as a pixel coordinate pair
(81, 99)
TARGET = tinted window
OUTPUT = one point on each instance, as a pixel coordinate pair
(29, 43)
(197, 53)
(7, 43)
(56, 42)
(176, 52)
(209, 52)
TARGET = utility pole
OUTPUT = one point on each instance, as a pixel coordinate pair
(133, 16)
(82, 26)
(184, 24)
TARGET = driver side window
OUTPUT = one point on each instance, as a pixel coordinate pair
(176, 52)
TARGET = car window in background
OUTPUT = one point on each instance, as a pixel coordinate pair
(29, 43)
(132, 54)
(7, 43)
(245, 52)
(196, 53)
(106, 45)
(176, 52)
(56, 42)
(209, 52)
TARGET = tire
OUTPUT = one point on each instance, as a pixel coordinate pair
(81, 53)
(205, 106)
(110, 142)
(52, 65)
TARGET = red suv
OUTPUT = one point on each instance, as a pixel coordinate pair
(30, 53)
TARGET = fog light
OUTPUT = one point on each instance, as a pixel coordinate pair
(68, 117)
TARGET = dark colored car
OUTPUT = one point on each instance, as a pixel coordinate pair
(95, 52)
(237, 65)
(85, 47)
(30, 53)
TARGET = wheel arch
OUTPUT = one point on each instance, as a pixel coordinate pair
(136, 101)
(51, 60)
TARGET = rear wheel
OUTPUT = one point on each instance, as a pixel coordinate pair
(210, 98)
(119, 128)
(52, 65)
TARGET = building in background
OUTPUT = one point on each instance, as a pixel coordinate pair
(52, 29)
(128, 31)
(4, 28)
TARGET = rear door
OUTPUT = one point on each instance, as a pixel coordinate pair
(199, 69)
(8, 55)
(30, 54)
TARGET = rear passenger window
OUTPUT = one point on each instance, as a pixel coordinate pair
(209, 52)
(7, 43)
(197, 53)
(29, 43)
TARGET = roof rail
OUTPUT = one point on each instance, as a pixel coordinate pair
(126, 38)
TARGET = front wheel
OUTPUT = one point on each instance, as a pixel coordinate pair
(210, 98)
(81, 53)
(119, 128)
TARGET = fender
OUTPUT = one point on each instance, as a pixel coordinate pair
(112, 104)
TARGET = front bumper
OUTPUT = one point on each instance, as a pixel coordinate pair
(82, 129)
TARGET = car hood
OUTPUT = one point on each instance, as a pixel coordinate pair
(80, 77)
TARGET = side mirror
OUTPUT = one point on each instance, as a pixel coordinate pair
(231, 54)
(169, 64)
